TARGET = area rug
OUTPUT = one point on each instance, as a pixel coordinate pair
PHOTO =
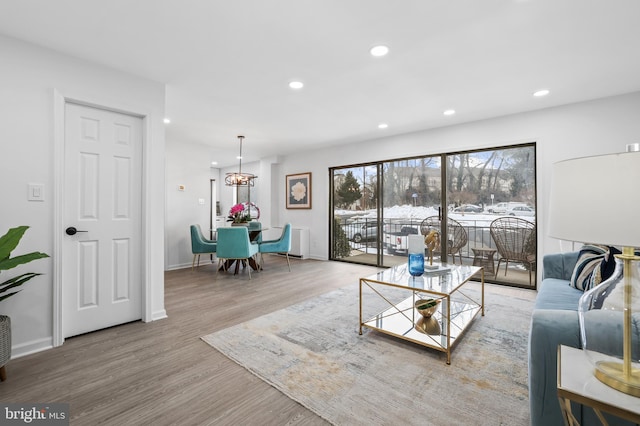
(312, 352)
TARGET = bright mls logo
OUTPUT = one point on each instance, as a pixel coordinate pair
(36, 414)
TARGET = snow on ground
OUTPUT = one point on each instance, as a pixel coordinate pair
(395, 212)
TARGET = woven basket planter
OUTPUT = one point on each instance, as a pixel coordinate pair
(5, 339)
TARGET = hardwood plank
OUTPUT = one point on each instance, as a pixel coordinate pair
(161, 372)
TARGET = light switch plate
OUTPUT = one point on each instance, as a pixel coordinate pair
(36, 192)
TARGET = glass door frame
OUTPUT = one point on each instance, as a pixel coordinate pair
(444, 200)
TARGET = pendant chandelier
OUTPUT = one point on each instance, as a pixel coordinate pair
(239, 179)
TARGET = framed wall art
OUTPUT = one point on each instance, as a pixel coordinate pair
(299, 191)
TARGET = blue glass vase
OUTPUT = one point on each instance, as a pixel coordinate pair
(416, 264)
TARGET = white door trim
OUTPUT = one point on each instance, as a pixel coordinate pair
(59, 101)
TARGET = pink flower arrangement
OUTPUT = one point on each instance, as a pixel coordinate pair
(239, 214)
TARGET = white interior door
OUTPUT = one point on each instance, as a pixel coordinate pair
(101, 262)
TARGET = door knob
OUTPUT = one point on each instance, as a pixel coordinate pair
(72, 231)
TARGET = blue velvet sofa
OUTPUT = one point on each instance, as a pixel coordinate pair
(555, 322)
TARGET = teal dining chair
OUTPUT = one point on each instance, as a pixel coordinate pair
(281, 246)
(200, 245)
(255, 231)
(234, 244)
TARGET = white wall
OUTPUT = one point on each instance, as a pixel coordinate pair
(28, 77)
(588, 128)
(189, 165)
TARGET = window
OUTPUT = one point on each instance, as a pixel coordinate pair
(376, 206)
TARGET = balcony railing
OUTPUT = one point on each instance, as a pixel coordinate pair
(477, 232)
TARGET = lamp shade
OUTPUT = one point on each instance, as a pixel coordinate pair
(594, 199)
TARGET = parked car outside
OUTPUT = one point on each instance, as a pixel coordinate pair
(521, 211)
(358, 232)
(501, 208)
(396, 238)
(468, 208)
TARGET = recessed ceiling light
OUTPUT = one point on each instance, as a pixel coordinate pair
(214, 163)
(167, 121)
(383, 126)
(540, 93)
(296, 85)
(449, 112)
(378, 51)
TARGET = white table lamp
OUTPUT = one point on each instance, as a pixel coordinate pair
(595, 200)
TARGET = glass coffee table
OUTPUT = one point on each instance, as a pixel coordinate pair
(397, 291)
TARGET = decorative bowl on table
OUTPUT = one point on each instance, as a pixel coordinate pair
(427, 307)
(429, 326)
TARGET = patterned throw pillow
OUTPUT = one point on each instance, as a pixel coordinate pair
(605, 269)
(589, 258)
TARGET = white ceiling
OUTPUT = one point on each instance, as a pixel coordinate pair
(227, 64)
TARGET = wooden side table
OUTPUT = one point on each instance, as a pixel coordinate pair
(484, 257)
(577, 383)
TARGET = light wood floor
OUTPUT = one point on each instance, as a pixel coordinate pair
(161, 373)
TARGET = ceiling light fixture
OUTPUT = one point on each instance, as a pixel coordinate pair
(449, 112)
(239, 179)
(383, 126)
(541, 93)
(167, 121)
(378, 51)
(296, 85)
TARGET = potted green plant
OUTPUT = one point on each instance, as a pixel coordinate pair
(10, 287)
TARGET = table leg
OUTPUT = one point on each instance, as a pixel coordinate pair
(254, 265)
(447, 320)
(567, 415)
(226, 265)
(360, 316)
(482, 281)
(492, 263)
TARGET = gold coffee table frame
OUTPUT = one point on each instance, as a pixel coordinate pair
(400, 319)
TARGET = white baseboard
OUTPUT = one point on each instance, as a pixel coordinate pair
(294, 256)
(188, 265)
(158, 315)
(176, 267)
(32, 347)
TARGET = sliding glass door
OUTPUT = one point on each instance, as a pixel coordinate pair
(356, 225)
(411, 192)
(491, 200)
(482, 202)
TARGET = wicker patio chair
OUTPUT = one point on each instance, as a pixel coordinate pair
(456, 235)
(515, 240)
